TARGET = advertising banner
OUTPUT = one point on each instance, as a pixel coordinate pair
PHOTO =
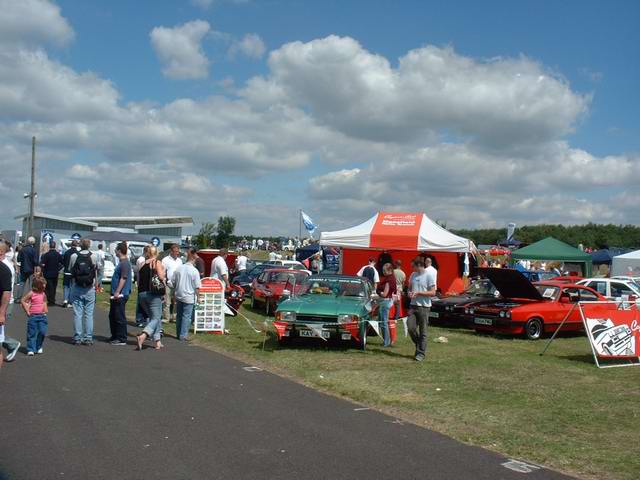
(209, 312)
(613, 329)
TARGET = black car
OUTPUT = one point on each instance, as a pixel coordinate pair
(245, 279)
(451, 310)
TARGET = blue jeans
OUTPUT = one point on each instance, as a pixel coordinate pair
(66, 287)
(141, 316)
(383, 319)
(152, 304)
(84, 301)
(183, 319)
(9, 343)
(36, 331)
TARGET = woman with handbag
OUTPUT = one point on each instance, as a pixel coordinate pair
(151, 290)
(387, 290)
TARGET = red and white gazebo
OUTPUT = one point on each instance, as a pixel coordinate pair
(403, 236)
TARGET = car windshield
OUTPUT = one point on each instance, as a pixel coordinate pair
(346, 287)
(480, 287)
(284, 277)
(548, 291)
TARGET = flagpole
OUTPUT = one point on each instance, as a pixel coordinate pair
(300, 225)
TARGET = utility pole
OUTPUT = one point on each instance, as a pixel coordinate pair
(32, 193)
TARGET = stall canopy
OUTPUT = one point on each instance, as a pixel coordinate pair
(398, 231)
(627, 264)
(551, 249)
(605, 255)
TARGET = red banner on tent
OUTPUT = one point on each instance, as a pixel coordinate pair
(613, 330)
(396, 231)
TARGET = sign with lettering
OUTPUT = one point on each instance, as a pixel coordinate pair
(155, 241)
(209, 311)
(613, 329)
(76, 236)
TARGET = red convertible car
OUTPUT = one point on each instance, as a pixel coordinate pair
(268, 287)
(529, 309)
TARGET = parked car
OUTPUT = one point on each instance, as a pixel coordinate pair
(245, 279)
(234, 296)
(331, 306)
(613, 288)
(267, 289)
(451, 310)
(109, 267)
(290, 264)
(529, 309)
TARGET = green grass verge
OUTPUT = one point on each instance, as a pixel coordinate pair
(558, 410)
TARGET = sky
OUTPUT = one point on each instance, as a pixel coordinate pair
(477, 113)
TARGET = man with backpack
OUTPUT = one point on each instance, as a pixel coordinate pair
(82, 266)
(370, 273)
(66, 279)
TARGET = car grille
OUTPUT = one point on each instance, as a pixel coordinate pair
(317, 318)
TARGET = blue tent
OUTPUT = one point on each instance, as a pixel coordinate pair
(605, 255)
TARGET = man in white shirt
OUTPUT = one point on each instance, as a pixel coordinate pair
(273, 256)
(369, 272)
(428, 263)
(422, 286)
(186, 282)
(241, 262)
(100, 258)
(171, 262)
(219, 268)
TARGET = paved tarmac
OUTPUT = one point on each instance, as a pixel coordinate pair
(107, 412)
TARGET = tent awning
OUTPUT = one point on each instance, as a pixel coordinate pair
(551, 249)
(398, 231)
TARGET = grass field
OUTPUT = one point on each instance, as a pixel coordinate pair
(558, 410)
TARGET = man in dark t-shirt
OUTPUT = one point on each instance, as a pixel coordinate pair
(5, 298)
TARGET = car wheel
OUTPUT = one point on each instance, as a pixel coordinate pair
(533, 329)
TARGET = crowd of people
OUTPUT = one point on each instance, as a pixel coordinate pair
(393, 287)
(167, 291)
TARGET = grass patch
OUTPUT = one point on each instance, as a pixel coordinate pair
(558, 410)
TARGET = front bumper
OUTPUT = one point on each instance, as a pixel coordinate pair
(346, 331)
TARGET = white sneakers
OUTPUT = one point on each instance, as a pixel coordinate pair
(40, 351)
(30, 354)
(12, 353)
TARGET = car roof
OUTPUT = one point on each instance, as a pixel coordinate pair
(286, 270)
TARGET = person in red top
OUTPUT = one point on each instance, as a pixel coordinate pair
(34, 304)
(386, 289)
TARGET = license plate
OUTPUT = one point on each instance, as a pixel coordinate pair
(309, 333)
(434, 314)
(483, 321)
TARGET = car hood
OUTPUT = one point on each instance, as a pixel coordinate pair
(462, 299)
(328, 305)
(511, 283)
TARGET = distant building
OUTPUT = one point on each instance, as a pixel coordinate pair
(161, 230)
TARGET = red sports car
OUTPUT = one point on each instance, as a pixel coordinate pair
(529, 309)
(268, 287)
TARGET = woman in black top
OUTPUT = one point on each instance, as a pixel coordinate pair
(150, 301)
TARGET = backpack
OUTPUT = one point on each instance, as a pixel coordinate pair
(83, 271)
(370, 274)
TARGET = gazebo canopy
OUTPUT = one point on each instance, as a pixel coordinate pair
(398, 231)
(627, 264)
(553, 249)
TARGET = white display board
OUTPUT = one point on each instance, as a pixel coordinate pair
(209, 312)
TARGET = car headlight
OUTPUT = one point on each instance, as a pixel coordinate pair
(508, 314)
(286, 316)
(471, 310)
(234, 293)
(466, 310)
(347, 318)
(502, 313)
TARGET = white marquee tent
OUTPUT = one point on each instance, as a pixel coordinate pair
(627, 264)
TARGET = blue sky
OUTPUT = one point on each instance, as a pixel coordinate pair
(589, 50)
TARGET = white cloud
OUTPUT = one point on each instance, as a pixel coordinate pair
(179, 49)
(33, 21)
(251, 45)
(495, 102)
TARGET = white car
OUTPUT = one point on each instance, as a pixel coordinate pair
(613, 288)
(109, 267)
(288, 264)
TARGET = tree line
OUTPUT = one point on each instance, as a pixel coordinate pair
(590, 235)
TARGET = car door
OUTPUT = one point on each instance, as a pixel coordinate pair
(600, 286)
(258, 288)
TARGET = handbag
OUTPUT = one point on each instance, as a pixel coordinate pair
(156, 284)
